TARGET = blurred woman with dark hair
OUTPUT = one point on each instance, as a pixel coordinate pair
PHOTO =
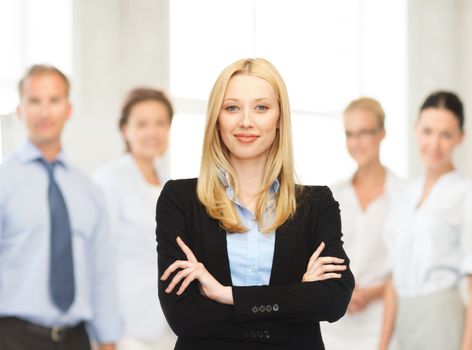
(427, 235)
(132, 185)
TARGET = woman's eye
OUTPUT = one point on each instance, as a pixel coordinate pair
(261, 108)
(426, 132)
(231, 108)
(447, 135)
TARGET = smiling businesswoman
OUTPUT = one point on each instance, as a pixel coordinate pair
(238, 248)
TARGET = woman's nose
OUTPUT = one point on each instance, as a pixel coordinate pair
(246, 119)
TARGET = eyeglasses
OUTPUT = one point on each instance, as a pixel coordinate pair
(362, 134)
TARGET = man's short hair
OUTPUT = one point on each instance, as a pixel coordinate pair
(43, 69)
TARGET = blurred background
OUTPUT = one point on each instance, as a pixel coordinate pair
(329, 52)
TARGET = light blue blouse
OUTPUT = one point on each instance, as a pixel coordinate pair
(250, 253)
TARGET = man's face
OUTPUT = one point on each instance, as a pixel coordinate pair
(44, 107)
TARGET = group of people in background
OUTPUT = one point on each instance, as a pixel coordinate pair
(112, 298)
(409, 243)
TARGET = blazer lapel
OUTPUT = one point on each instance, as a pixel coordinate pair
(285, 243)
(214, 248)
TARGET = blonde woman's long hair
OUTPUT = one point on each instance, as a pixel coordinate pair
(215, 156)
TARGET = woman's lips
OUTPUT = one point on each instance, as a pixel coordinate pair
(246, 138)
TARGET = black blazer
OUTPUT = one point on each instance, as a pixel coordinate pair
(283, 315)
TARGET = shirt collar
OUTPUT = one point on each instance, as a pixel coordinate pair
(274, 188)
(29, 152)
(224, 177)
(161, 166)
(349, 182)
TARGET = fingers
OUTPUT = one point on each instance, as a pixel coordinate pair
(189, 274)
(189, 279)
(187, 251)
(191, 269)
(177, 278)
(315, 258)
(316, 255)
(312, 277)
(330, 275)
(326, 264)
(179, 264)
(322, 266)
(329, 260)
(182, 264)
(329, 268)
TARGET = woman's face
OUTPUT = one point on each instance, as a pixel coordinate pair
(437, 134)
(147, 130)
(363, 136)
(249, 118)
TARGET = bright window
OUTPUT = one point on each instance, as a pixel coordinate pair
(31, 32)
(329, 52)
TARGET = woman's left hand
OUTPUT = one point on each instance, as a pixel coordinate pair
(190, 270)
(324, 267)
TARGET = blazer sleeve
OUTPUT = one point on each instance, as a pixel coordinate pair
(181, 311)
(304, 301)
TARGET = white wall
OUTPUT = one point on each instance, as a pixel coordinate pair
(439, 56)
(465, 76)
(119, 44)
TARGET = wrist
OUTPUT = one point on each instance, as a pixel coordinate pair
(225, 295)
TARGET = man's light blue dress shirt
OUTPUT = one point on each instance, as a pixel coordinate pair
(25, 242)
(250, 253)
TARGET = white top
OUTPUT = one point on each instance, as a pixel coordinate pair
(132, 202)
(430, 247)
(363, 243)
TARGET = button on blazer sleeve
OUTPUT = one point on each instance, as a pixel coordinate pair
(305, 301)
(191, 314)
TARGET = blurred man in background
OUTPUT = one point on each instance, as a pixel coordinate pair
(56, 265)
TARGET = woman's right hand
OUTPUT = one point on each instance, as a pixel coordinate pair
(192, 270)
(322, 268)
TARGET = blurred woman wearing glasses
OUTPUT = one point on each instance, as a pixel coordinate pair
(364, 201)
